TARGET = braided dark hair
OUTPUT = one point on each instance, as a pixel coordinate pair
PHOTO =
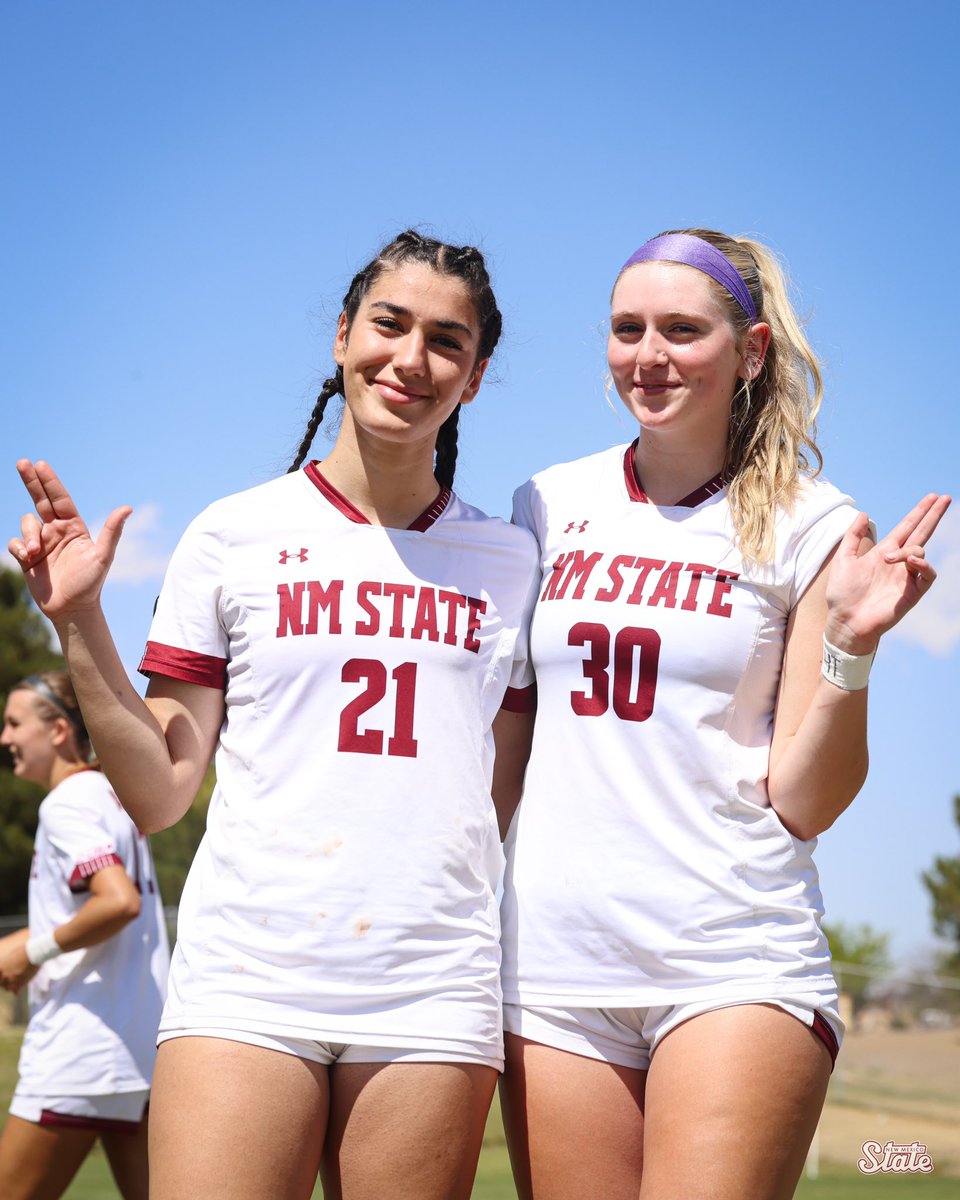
(462, 262)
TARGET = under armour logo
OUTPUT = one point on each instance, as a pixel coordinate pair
(285, 555)
(579, 528)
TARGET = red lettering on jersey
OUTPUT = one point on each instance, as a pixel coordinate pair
(611, 593)
(364, 591)
(477, 609)
(723, 585)
(578, 567)
(550, 591)
(425, 622)
(327, 598)
(454, 602)
(697, 572)
(399, 592)
(666, 590)
(645, 566)
(291, 603)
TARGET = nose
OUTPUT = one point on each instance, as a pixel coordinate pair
(410, 356)
(651, 350)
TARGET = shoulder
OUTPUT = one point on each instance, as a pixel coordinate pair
(580, 472)
(808, 533)
(86, 795)
(817, 500)
(256, 503)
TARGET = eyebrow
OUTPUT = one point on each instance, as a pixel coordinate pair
(670, 316)
(399, 311)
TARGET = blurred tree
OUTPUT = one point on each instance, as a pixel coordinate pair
(25, 648)
(861, 947)
(943, 883)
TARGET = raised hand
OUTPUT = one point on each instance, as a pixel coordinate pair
(868, 593)
(64, 567)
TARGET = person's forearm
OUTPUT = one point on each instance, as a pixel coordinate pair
(128, 739)
(822, 767)
(98, 920)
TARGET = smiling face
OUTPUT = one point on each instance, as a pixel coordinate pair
(409, 355)
(675, 358)
(31, 738)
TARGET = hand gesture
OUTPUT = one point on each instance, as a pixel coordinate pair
(64, 567)
(868, 593)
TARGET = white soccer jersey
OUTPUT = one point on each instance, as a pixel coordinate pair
(93, 1013)
(645, 864)
(351, 852)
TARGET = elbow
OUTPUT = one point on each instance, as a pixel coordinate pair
(130, 906)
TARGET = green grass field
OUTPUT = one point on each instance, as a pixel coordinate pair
(494, 1180)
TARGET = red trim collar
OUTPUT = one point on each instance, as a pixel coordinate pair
(352, 513)
(639, 496)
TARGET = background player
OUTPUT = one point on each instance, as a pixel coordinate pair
(702, 641)
(343, 637)
(95, 957)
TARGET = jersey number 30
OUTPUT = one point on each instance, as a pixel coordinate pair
(636, 658)
(402, 743)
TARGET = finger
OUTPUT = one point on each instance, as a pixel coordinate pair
(932, 519)
(51, 498)
(922, 571)
(30, 533)
(850, 542)
(904, 553)
(920, 521)
(111, 531)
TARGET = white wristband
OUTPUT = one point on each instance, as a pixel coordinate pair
(42, 947)
(847, 671)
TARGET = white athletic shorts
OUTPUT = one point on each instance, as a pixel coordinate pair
(326, 1051)
(122, 1112)
(629, 1036)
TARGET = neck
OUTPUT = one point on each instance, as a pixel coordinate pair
(63, 768)
(668, 473)
(391, 483)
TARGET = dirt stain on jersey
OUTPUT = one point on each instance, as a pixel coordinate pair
(361, 927)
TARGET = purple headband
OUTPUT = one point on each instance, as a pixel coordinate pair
(695, 252)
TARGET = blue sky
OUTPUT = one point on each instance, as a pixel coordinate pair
(190, 186)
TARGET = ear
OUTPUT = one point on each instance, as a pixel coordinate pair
(61, 732)
(754, 350)
(340, 341)
(473, 383)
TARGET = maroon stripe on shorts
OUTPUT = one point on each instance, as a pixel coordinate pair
(55, 1120)
(824, 1031)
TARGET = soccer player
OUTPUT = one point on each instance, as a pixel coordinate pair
(344, 637)
(95, 957)
(704, 631)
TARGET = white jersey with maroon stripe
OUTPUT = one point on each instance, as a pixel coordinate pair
(93, 1013)
(351, 856)
(646, 866)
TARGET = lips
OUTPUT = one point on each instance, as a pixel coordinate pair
(397, 394)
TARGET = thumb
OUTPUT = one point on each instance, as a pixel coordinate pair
(850, 542)
(112, 529)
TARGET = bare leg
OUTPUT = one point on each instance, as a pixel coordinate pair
(733, 1099)
(410, 1131)
(234, 1121)
(37, 1162)
(574, 1125)
(127, 1156)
